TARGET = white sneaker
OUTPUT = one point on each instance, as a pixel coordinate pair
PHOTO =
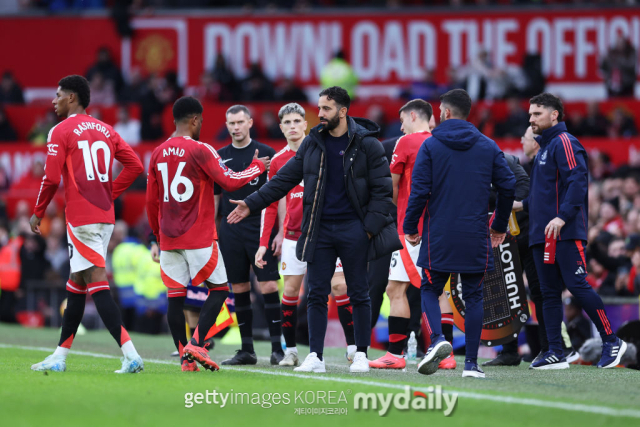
(131, 364)
(311, 364)
(360, 363)
(290, 359)
(53, 363)
(351, 353)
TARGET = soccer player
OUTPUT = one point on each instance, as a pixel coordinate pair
(82, 150)
(288, 210)
(415, 117)
(180, 203)
(240, 242)
(557, 207)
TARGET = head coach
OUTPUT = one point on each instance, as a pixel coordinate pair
(452, 180)
(347, 202)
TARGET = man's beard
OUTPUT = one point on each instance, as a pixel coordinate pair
(332, 123)
(442, 117)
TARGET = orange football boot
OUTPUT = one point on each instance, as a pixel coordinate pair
(388, 361)
(448, 363)
(200, 355)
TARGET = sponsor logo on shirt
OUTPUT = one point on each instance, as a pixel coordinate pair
(543, 158)
(297, 195)
(52, 149)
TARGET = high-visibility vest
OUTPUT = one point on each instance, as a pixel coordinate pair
(10, 265)
(125, 260)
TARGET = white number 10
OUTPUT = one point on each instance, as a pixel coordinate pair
(177, 180)
(91, 159)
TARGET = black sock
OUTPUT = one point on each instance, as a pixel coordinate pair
(175, 318)
(397, 334)
(208, 315)
(71, 318)
(363, 349)
(345, 314)
(109, 313)
(447, 326)
(245, 319)
(319, 355)
(289, 309)
(272, 313)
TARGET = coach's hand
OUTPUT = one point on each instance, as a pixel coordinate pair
(260, 263)
(34, 222)
(155, 252)
(413, 239)
(517, 206)
(553, 228)
(496, 238)
(239, 213)
(276, 245)
(265, 160)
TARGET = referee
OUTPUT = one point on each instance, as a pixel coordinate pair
(240, 242)
(557, 207)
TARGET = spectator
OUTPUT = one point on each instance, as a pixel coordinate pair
(29, 184)
(610, 217)
(338, 72)
(208, 91)
(594, 123)
(128, 128)
(102, 90)
(222, 74)
(151, 107)
(135, 90)
(172, 90)
(256, 86)
(34, 265)
(622, 124)
(7, 133)
(40, 131)
(532, 69)
(270, 125)
(5, 183)
(633, 249)
(427, 88)
(287, 91)
(619, 68)
(485, 122)
(516, 122)
(10, 91)
(107, 67)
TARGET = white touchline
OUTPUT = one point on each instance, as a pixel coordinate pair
(576, 407)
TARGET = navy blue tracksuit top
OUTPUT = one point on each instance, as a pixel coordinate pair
(452, 178)
(559, 184)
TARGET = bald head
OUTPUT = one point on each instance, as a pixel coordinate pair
(529, 144)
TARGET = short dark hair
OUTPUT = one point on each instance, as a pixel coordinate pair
(549, 100)
(186, 107)
(420, 107)
(235, 109)
(78, 85)
(459, 102)
(339, 95)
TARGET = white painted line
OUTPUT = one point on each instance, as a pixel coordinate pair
(575, 407)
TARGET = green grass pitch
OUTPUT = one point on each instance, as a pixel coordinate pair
(90, 394)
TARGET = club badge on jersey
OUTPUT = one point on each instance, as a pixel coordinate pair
(505, 300)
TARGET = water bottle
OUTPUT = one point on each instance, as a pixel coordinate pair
(514, 228)
(412, 346)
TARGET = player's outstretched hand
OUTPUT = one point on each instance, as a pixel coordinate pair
(265, 160)
(276, 245)
(497, 238)
(413, 239)
(239, 213)
(155, 252)
(259, 261)
(517, 206)
(34, 222)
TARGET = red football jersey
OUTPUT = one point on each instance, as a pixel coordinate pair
(404, 157)
(293, 218)
(180, 203)
(82, 149)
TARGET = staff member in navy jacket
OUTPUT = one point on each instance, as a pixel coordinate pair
(557, 206)
(452, 179)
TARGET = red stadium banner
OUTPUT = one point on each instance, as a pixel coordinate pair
(384, 49)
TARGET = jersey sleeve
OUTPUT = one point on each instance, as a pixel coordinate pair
(399, 158)
(132, 166)
(56, 155)
(211, 164)
(153, 202)
(269, 215)
(574, 174)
